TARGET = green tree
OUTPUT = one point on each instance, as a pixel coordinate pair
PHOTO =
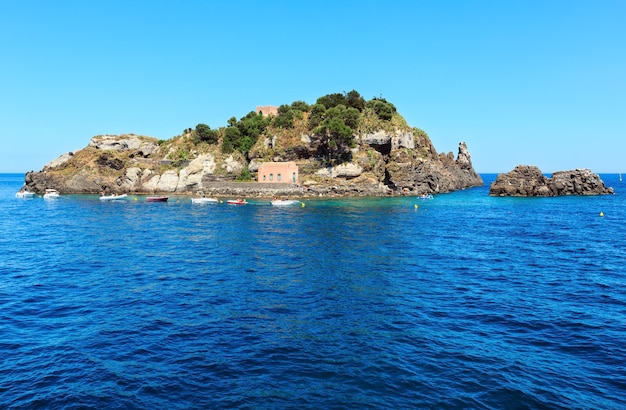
(337, 137)
(251, 127)
(383, 109)
(285, 117)
(318, 113)
(355, 100)
(231, 139)
(206, 134)
(245, 174)
(332, 100)
(300, 106)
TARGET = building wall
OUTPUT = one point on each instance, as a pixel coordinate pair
(278, 173)
(267, 110)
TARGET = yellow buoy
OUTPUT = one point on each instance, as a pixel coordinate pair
(303, 204)
(415, 206)
(601, 213)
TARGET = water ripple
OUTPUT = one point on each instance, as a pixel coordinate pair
(467, 302)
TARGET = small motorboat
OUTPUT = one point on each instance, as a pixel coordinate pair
(204, 200)
(157, 199)
(236, 202)
(284, 202)
(113, 197)
(22, 193)
(51, 194)
(425, 196)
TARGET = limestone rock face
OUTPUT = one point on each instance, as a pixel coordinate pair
(376, 138)
(402, 140)
(527, 180)
(59, 161)
(128, 142)
(346, 170)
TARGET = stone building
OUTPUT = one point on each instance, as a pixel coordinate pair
(278, 172)
(267, 110)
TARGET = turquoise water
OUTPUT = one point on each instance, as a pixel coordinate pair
(465, 301)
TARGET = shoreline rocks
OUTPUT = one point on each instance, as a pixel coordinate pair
(526, 180)
(386, 164)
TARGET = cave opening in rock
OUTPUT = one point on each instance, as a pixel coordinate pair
(384, 149)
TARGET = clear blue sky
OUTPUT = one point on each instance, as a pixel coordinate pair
(522, 82)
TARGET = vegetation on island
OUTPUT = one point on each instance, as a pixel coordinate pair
(334, 117)
(332, 123)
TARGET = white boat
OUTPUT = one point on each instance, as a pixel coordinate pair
(284, 202)
(425, 196)
(113, 197)
(51, 194)
(236, 202)
(22, 193)
(204, 200)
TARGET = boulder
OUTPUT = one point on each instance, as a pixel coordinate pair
(232, 165)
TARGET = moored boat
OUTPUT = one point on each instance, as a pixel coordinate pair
(113, 197)
(284, 202)
(23, 193)
(157, 199)
(236, 202)
(51, 194)
(425, 196)
(204, 200)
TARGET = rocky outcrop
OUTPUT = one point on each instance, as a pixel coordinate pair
(130, 164)
(400, 162)
(423, 175)
(527, 180)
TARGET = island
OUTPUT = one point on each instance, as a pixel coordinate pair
(343, 145)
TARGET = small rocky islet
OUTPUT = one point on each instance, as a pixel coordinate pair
(528, 180)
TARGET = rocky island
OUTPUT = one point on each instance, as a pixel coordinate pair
(527, 180)
(342, 145)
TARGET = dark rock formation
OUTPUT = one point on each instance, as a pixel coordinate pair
(527, 180)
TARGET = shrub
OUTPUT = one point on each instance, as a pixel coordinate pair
(206, 134)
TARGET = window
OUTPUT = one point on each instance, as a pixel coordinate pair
(264, 177)
(278, 177)
(293, 177)
(271, 177)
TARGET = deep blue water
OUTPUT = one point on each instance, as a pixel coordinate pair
(467, 301)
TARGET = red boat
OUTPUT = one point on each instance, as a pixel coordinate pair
(236, 202)
(156, 199)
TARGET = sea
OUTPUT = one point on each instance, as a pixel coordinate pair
(463, 301)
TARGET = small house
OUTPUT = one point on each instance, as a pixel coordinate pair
(278, 172)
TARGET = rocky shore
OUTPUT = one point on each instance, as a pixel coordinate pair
(527, 180)
(381, 164)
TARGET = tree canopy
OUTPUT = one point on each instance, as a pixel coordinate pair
(206, 134)
(334, 119)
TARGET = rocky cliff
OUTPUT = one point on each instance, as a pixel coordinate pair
(382, 163)
(527, 180)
